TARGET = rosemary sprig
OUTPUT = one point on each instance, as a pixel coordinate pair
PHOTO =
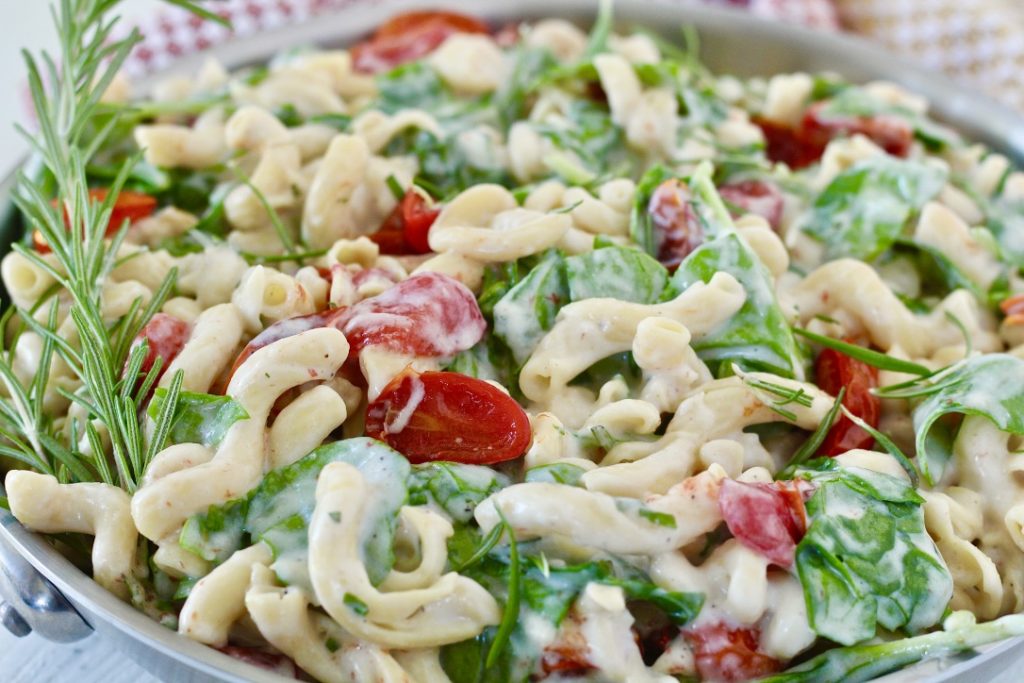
(66, 89)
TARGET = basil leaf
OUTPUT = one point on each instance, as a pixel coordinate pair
(758, 336)
(865, 208)
(867, 560)
(987, 385)
(199, 418)
(455, 487)
(616, 273)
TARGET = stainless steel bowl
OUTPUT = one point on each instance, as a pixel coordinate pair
(41, 590)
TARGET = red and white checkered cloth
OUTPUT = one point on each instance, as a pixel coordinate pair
(978, 42)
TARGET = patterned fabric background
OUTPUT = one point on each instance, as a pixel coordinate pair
(977, 42)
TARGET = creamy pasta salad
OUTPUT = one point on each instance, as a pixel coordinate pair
(520, 353)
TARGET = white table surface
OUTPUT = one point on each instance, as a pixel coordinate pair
(32, 659)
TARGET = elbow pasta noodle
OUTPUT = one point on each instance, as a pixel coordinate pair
(486, 354)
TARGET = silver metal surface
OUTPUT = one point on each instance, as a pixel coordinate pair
(732, 42)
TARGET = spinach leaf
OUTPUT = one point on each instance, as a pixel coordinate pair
(640, 227)
(556, 473)
(618, 273)
(527, 311)
(199, 418)
(757, 337)
(489, 359)
(865, 208)
(547, 593)
(861, 663)
(866, 559)
(1005, 220)
(987, 385)
(447, 165)
(278, 511)
(455, 487)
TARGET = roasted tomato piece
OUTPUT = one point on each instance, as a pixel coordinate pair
(755, 196)
(448, 416)
(279, 664)
(409, 36)
(891, 133)
(789, 145)
(165, 336)
(767, 518)
(130, 206)
(723, 653)
(406, 228)
(677, 228)
(1013, 308)
(835, 370)
(428, 314)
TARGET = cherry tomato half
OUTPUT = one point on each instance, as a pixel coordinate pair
(448, 416)
(428, 314)
(767, 518)
(405, 230)
(409, 36)
(723, 653)
(759, 197)
(677, 228)
(835, 370)
(130, 206)
(165, 336)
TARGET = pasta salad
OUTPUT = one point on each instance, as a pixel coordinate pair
(519, 353)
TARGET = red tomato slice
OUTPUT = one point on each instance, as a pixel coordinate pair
(409, 36)
(755, 196)
(130, 206)
(448, 416)
(722, 653)
(166, 336)
(279, 664)
(835, 370)
(428, 314)
(405, 229)
(891, 133)
(677, 228)
(767, 518)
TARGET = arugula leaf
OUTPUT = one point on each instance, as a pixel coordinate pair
(618, 273)
(862, 663)
(865, 208)
(455, 487)
(530, 63)
(527, 311)
(278, 511)
(588, 144)
(987, 385)
(199, 418)
(451, 163)
(866, 559)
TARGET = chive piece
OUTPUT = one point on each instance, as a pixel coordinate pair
(511, 615)
(396, 187)
(355, 604)
(872, 358)
(888, 444)
(813, 443)
(486, 545)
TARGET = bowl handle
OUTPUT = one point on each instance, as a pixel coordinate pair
(28, 602)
